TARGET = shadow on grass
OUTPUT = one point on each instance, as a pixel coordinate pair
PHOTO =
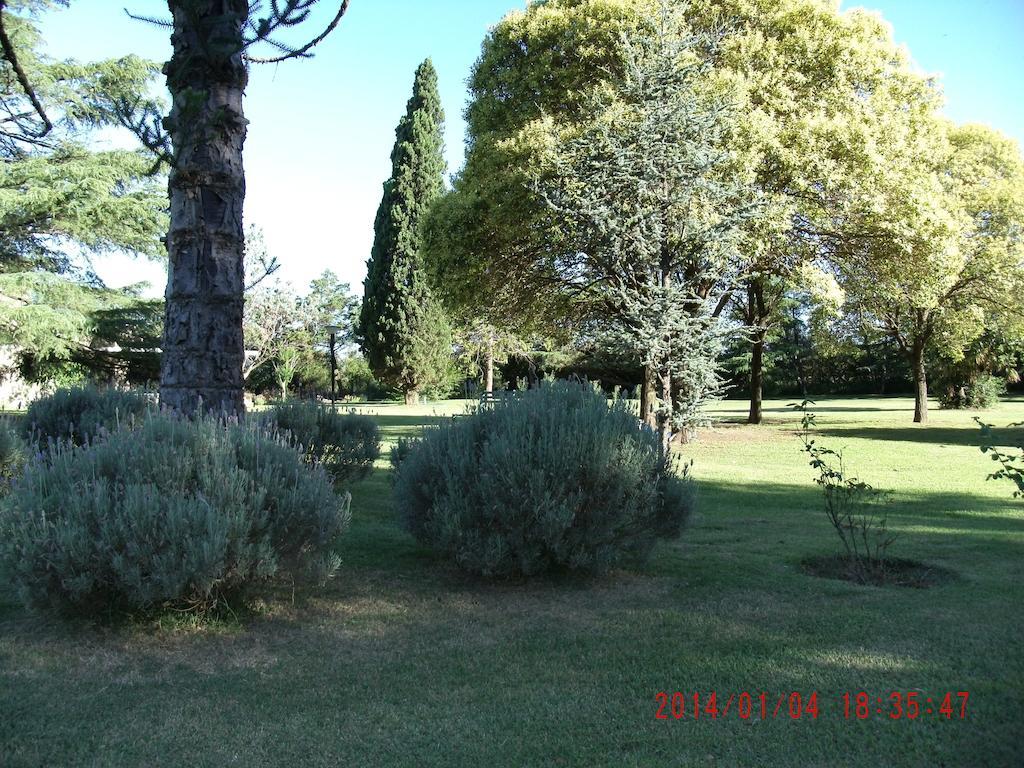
(816, 409)
(395, 421)
(968, 436)
(740, 528)
(761, 522)
(892, 572)
(741, 532)
(753, 504)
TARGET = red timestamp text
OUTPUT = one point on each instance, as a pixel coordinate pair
(905, 705)
(746, 705)
(797, 705)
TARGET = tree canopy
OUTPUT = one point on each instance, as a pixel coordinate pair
(62, 203)
(938, 251)
(654, 206)
(59, 200)
(830, 113)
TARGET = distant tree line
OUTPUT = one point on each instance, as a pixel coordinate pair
(684, 198)
(757, 193)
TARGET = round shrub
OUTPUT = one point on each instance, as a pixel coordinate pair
(556, 479)
(346, 445)
(173, 513)
(982, 392)
(81, 413)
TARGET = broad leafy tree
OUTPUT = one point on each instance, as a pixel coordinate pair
(814, 87)
(403, 330)
(819, 90)
(489, 237)
(480, 346)
(270, 322)
(938, 247)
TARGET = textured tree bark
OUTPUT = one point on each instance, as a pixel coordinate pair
(203, 345)
(412, 397)
(920, 382)
(648, 397)
(755, 414)
(756, 318)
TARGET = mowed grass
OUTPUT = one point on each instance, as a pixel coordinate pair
(402, 661)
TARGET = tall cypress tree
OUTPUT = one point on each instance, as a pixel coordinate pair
(403, 332)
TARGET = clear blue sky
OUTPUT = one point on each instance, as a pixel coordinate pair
(321, 130)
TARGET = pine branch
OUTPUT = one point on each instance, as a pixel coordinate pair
(278, 19)
(165, 23)
(268, 266)
(145, 122)
(26, 86)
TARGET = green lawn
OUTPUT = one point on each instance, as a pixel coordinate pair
(402, 661)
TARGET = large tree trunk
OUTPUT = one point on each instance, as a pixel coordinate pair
(412, 397)
(920, 382)
(531, 373)
(203, 346)
(755, 414)
(489, 365)
(648, 397)
(756, 319)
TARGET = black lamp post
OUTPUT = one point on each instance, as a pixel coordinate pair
(333, 331)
